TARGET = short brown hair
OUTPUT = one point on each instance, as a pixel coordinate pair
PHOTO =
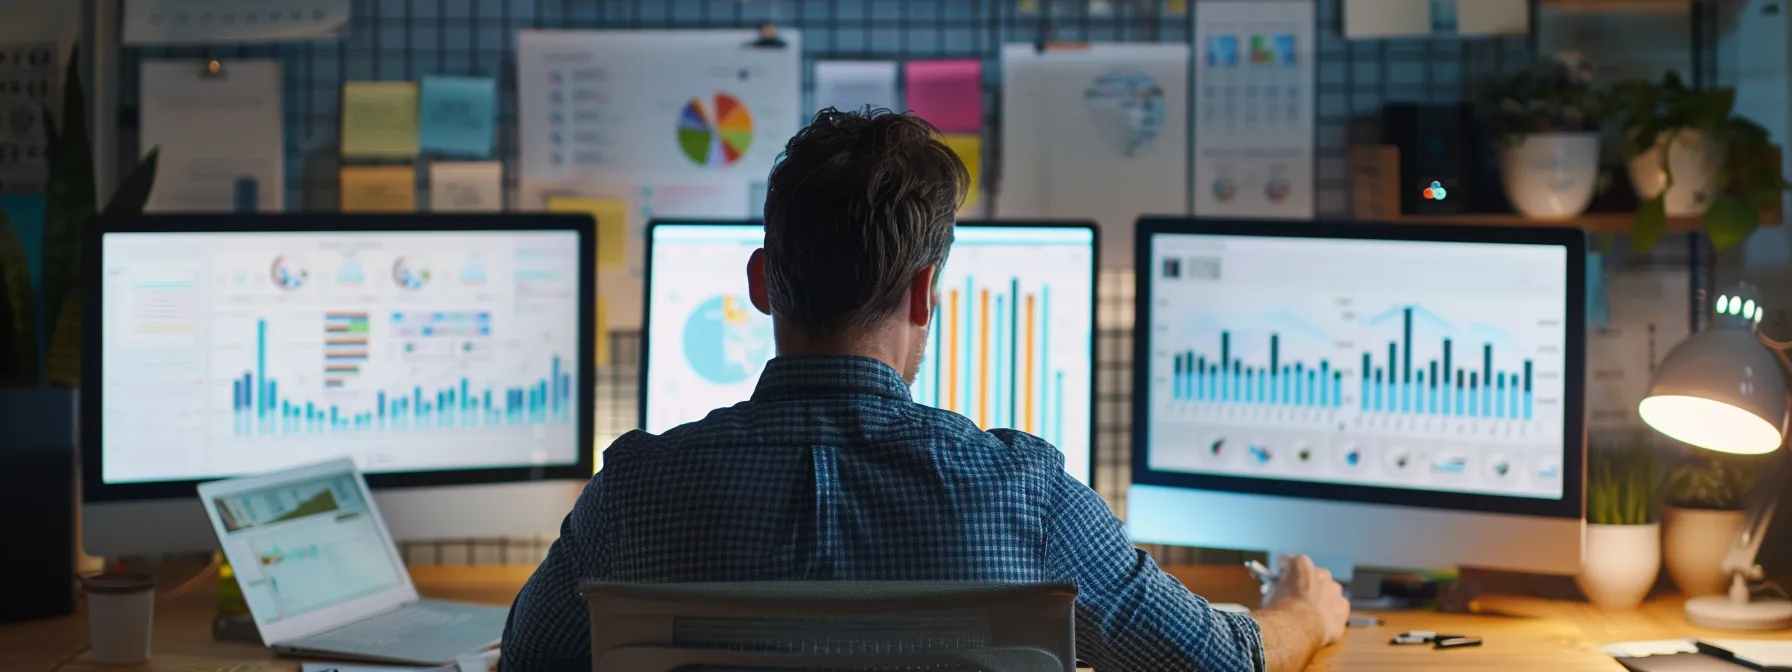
(857, 205)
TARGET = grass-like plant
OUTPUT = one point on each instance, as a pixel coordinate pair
(68, 207)
(1621, 486)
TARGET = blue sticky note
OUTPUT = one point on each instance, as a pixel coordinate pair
(458, 115)
(1599, 310)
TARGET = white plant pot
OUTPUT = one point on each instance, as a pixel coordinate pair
(1693, 545)
(1619, 564)
(1694, 159)
(1550, 176)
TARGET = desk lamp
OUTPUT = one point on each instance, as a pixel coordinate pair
(1724, 389)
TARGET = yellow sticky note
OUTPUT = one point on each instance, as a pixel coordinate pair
(969, 149)
(378, 188)
(602, 356)
(1176, 7)
(612, 226)
(379, 119)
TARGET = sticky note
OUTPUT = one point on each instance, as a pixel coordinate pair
(602, 356)
(969, 149)
(379, 119)
(458, 115)
(612, 226)
(948, 94)
(378, 188)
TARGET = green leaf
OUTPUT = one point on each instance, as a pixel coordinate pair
(71, 197)
(134, 191)
(1730, 221)
(1650, 224)
(62, 367)
(18, 362)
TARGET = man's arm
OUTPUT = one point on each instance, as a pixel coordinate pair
(549, 627)
(1133, 616)
(1130, 615)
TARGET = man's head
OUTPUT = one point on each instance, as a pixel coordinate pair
(858, 219)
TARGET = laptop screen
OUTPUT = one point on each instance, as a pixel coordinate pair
(303, 542)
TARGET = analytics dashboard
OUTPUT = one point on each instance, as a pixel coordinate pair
(1389, 363)
(1010, 345)
(236, 353)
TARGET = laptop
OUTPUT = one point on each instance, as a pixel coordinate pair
(322, 577)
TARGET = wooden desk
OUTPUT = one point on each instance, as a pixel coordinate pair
(1532, 624)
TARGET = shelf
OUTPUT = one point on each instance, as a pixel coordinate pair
(1604, 222)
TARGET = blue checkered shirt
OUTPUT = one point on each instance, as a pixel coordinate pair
(830, 472)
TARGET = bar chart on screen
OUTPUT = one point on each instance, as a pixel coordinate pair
(1455, 373)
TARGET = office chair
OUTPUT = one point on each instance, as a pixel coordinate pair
(826, 625)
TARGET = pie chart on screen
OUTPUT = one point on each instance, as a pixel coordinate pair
(715, 132)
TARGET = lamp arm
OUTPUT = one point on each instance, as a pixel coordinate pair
(1764, 499)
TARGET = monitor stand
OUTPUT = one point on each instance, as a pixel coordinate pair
(1390, 590)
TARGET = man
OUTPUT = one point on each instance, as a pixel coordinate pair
(830, 472)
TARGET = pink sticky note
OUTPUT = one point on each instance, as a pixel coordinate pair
(948, 94)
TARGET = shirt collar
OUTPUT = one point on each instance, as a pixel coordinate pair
(807, 377)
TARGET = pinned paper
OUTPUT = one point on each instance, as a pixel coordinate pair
(378, 188)
(612, 227)
(948, 94)
(379, 119)
(969, 149)
(458, 115)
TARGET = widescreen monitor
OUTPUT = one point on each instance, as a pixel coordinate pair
(1011, 345)
(433, 350)
(1398, 395)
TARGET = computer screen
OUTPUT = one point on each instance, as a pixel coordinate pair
(224, 353)
(1012, 341)
(1395, 364)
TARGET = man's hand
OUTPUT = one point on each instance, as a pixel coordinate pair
(1304, 586)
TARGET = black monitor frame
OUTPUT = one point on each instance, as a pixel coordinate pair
(93, 363)
(1573, 240)
(1094, 305)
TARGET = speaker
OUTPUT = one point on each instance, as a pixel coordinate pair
(1441, 166)
(38, 465)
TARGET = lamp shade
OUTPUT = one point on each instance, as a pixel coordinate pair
(1721, 389)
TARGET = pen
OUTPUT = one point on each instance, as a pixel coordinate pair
(1262, 573)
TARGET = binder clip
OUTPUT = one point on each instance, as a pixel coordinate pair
(768, 38)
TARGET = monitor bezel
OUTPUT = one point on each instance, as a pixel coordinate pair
(1573, 240)
(93, 364)
(1094, 307)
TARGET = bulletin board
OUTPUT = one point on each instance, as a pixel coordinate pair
(404, 40)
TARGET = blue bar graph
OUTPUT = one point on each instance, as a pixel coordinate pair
(260, 411)
(990, 357)
(1222, 378)
(1441, 386)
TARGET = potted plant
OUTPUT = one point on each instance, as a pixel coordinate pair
(1702, 512)
(1690, 156)
(40, 327)
(1622, 555)
(1547, 117)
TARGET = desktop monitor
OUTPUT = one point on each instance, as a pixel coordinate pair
(1012, 342)
(1396, 396)
(445, 354)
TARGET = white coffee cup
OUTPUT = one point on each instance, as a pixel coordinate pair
(120, 609)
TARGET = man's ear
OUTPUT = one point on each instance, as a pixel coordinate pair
(756, 290)
(921, 297)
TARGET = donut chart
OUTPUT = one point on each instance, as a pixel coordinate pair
(716, 134)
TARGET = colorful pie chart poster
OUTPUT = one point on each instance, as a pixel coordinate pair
(655, 107)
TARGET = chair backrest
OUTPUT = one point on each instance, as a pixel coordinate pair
(832, 625)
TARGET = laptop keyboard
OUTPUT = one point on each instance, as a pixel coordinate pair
(388, 629)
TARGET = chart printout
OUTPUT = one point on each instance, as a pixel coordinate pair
(1397, 364)
(238, 353)
(1009, 346)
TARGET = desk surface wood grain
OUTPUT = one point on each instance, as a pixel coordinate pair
(1528, 623)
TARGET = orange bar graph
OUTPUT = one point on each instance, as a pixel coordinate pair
(1027, 424)
(983, 362)
(952, 360)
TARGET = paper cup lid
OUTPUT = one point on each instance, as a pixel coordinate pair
(117, 583)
